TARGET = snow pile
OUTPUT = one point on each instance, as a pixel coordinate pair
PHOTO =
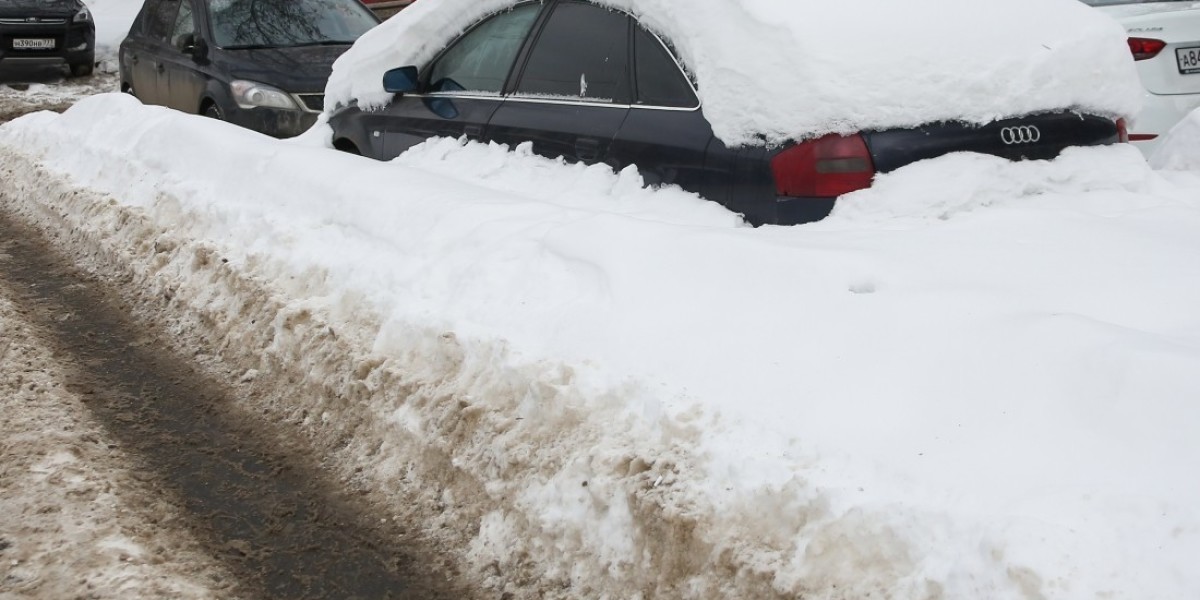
(1179, 150)
(977, 380)
(773, 70)
(969, 182)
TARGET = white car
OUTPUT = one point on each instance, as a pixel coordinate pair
(1164, 37)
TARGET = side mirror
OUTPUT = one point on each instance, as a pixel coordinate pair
(400, 81)
(195, 47)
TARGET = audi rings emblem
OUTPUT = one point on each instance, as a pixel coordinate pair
(1023, 134)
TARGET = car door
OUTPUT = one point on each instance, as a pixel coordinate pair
(461, 88)
(184, 80)
(665, 133)
(144, 47)
(573, 91)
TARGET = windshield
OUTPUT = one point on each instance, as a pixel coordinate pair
(1116, 2)
(278, 23)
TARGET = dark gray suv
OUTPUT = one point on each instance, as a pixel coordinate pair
(261, 64)
(47, 32)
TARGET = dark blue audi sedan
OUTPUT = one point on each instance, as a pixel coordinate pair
(592, 84)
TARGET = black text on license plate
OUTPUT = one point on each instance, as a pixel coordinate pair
(1189, 60)
(33, 43)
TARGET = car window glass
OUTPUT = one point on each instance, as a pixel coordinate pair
(283, 23)
(481, 60)
(659, 80)
(581, 54)
(185, 25)
(160, 21)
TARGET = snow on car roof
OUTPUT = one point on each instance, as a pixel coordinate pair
(775, 70)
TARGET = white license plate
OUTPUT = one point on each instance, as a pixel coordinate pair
(1189, 60)
(33, 43)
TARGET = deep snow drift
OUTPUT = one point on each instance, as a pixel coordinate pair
(977, 379)
(767, 74)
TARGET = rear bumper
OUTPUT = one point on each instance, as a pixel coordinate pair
(1159, 114)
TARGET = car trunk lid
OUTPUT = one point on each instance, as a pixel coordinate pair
(1031, 137)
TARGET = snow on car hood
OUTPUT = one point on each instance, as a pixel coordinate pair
(774, 70)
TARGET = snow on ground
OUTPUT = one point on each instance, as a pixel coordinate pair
(977, 379)
(766, 73)
(1180, 148)
(76, 518)
(24, 92)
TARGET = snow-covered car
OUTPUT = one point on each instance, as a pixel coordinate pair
(1164, 37)
(48, 32)
(261, 64)
(756, 105)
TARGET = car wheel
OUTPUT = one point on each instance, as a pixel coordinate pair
(81, 69)
(213, 111)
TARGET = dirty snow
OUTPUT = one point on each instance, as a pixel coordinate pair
(983, 388)
(767, 74)
(77, 518)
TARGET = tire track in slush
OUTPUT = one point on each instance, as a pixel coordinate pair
(270, 516)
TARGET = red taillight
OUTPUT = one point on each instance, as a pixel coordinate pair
(1122, 131)
(826, 167)
(1145, 48)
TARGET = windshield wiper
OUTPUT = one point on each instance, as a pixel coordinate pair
(252, 47)
(322, 43)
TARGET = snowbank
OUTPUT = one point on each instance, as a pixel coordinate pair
(1179, 150)
(977, 380)
(773, 70)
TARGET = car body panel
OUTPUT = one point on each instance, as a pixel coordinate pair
(1034, 137)
(413, 119)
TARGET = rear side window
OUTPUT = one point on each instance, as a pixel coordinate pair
(659, 80)
(581, 54)
(481, 60)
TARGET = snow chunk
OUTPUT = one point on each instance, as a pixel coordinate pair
(774, 70)
(1180, 148)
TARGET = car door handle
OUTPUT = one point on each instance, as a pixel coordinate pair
(133, 58)
(587, 149)
(474, 132)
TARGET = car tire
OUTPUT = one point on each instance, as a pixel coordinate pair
(82, 69)
(213, 111)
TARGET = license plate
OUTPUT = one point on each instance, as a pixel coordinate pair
(33, 44)
(1189, 60)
